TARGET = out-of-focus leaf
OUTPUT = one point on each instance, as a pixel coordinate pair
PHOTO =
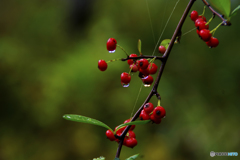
(139, 46)
(133, 157)
(83, 119)
(223, 6)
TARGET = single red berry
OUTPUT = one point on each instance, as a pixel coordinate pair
(159, 112)
(152, 68)
(162, 49)
(148, 107)
(201, 25)
(133, 67)
(144, 116)
(110, 135)
(132, 127)
(148, 80)
(131, 142)
(194, 15)
(111, 44)
(125, 78)
(143, 63)
(155, 120)
(197, 21)
(102, 65)
(213, 42)
(130, 61)
(205, 34)
(145, 72)
(131, 134)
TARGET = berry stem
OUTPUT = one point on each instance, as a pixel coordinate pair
(210, 19)
(159, 103)
(155, 86)
(204, 8)
(123, 49)
(113, 60)
(213, 31)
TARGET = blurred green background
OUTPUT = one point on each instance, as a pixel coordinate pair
(48, 67)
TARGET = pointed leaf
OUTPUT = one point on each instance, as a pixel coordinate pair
(132, 123)
(223, 6)
(165, 43)
(234, 12)
(83, 119)
(139, 46)
(133, 157)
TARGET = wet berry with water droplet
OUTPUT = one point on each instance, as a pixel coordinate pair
(148, 80)
(162, 49)
(148, 107)
(110, 135)
(159, 112)
(102, 65)
(125, 78)
(111, 44)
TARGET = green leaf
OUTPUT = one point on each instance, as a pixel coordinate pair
(132, 123)
(83, 119)
(133, 157)
(234, 12)
(139, 46)
(165, 43)
(223, 6)
(100, 158)
(116, 159)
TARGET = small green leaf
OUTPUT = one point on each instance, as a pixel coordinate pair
(223, 6)
(133, 157)
(83, 119)
(234, 12)
(132, 123)
(116, 159)
(139, 46)
(165, 43)
(100, 158)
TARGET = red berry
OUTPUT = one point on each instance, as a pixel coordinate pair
(130, 61)
(154, 119)
(132, 127)
(148, 107)
(159, 112)
(213, 42)
(102, 65)
(201, 25)
(110, 135)
(133, 67)
(120, 130)
(198, 20)
(143, 63)
(194, 15)
(125, 78)
(205, 34)
(118, 134)
(131, 134)
(111, 44)
(152, 67)
(131, 142)
(147, 80)
(145, 72)
(144, 116)
(162, 49)
(204, 19)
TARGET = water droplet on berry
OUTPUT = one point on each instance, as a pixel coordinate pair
(112, 51)
(125, 85)
(147, 85)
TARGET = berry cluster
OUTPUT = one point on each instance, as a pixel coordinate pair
(146, 67)
(155, 114)
(129, 139)
(203, 29)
